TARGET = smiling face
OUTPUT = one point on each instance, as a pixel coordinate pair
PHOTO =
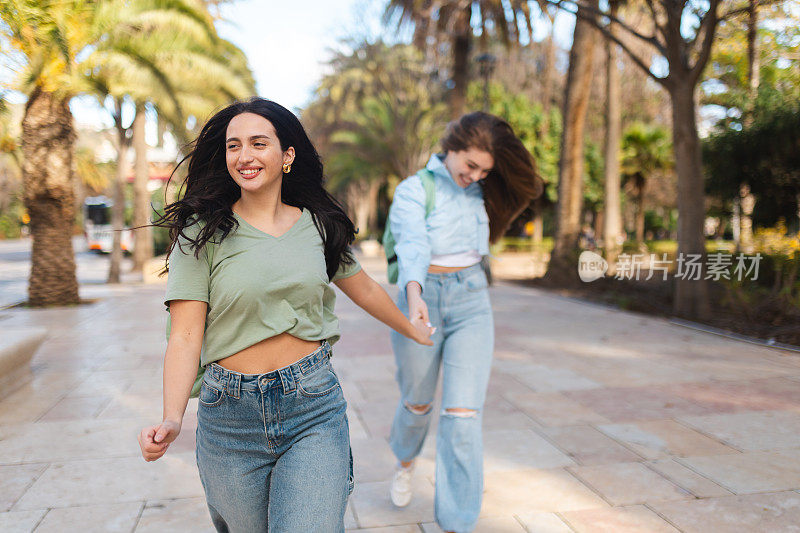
(253, 153)
(468, 166)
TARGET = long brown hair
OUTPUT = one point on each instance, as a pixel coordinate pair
(513, 181)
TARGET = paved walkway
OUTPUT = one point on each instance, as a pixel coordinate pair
(596, 420)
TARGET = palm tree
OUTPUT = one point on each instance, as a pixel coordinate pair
(376, 118)
(177, 63)
(47, 37)
(453, 24)
(52, 40)
(645, 150)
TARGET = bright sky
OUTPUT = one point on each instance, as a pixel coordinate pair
(286, 42)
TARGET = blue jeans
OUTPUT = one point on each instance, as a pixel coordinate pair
(273, 449)
(459, 307)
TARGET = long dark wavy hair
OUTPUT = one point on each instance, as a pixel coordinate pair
(210, 191)
(513, 181)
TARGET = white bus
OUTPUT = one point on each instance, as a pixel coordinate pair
(97, 226)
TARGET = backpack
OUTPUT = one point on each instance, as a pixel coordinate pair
(388, 241)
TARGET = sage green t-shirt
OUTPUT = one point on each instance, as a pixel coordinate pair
(256, 286)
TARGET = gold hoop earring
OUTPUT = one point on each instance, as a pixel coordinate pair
(287, 167)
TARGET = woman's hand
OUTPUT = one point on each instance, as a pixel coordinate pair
(423, 331)
(154, 440)
(418, 315)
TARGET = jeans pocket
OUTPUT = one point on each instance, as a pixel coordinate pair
(320, 382)
(210, 396)
(476, 282)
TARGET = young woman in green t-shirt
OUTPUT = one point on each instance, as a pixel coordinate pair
(256, 242)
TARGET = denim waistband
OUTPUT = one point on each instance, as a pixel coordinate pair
(285, 377)
(460, 275)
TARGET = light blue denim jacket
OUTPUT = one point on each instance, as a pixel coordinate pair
(458, 222)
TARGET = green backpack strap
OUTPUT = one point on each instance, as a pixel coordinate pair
(429, 184)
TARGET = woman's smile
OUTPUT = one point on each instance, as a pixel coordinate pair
(249, 172)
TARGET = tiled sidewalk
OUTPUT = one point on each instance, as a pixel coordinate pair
(596, 420)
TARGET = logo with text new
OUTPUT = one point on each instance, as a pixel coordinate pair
(591, 266)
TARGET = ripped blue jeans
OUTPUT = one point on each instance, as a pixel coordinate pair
(459, 307)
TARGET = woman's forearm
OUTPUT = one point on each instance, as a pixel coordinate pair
(370, 296)
(180, 371)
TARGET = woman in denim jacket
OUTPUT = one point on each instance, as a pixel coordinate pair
(483, 180)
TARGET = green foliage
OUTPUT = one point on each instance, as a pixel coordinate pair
(11, 220)
(594, 181)
(765, 155)
(522, 245)
(726, 81)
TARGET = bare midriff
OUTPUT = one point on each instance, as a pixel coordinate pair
(270, 354)
(436, 269)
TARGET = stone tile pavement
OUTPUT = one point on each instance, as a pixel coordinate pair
(596, 420)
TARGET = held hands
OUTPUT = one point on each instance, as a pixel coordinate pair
(418, 316)
(154, 440)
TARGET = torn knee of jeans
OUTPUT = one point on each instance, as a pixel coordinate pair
(460, 412)
(421, 409)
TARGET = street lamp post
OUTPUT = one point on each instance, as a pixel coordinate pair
(486, 63)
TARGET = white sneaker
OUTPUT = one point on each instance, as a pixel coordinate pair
(401, 485)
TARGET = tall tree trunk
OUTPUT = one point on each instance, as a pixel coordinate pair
(118, 214)
(118, 209)
(142, 237)
(747, 200)
(373, 193)
(48, 139)
(462, 42)
(691, 296)
(562, 267)
(753, 51)
(612, 226)
(549, 82)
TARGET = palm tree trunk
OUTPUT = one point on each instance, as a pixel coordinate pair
(142, 237)
(118, 209)
(691, 296)
(48, 139)
(571, 164)
(612, 221)
(462, 42)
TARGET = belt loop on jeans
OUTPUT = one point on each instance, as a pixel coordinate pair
(287, 379)
(234, 384)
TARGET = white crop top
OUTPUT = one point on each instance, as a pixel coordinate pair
(460, 259)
